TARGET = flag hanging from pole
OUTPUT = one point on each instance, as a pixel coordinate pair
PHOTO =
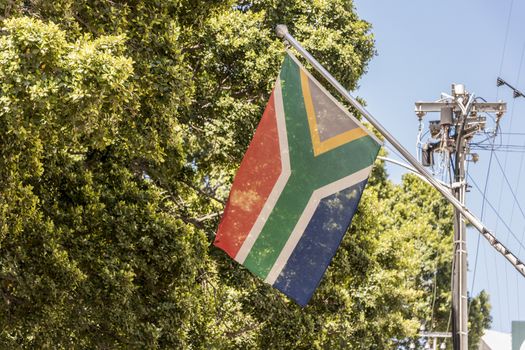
(298, 185)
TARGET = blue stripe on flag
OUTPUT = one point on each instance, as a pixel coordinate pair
(318, 244)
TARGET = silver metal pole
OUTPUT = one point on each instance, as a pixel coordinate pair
(282, 32)
(459, 281)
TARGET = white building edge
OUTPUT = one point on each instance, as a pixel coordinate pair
(494, 340)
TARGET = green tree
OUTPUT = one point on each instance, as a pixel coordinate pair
(121, 126)
(90, 255)
(421, 212)
(479, 317)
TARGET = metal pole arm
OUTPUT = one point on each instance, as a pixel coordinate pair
(282, 32)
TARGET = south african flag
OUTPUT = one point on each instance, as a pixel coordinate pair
(298, 185)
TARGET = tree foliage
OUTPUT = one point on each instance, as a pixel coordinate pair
(121, 125)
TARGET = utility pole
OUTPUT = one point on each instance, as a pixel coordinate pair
(459, 280)
(451, 135)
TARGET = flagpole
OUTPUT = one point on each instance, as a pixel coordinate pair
(282, 32)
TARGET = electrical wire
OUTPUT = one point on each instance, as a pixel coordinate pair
(513, 103)
(393, 150)
(506, 37)
(433, 299)
(497, 214)
(509, 231)
(496, 146)
(513, 133)
(485, 187)
(435, 273)
(503, 170)
(511, 190)
(519, 172)
(500, 150)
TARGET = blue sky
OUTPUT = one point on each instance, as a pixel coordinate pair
(425, 46)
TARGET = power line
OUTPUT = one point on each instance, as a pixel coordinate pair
(495, 260)
(516, 94)
(521, 165)
(506, 37)
(500, 148)
(510, 187)
(510, 123)
(482, 213)
(497, 221)
(512, 133)
(497, 214)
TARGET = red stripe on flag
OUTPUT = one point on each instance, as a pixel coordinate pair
(255, 179)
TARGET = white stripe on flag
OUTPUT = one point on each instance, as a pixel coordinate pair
(279, 184)
(307, 214)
